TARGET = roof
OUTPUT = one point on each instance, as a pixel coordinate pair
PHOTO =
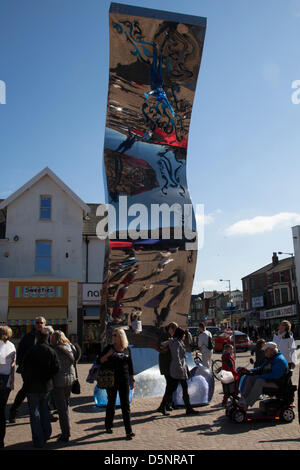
(45, 172)
(282, 264)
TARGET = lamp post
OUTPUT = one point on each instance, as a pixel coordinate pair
(295, 293)
(232, 328)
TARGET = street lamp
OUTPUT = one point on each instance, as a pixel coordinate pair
(228, 280)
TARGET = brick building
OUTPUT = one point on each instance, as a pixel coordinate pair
(270, 295)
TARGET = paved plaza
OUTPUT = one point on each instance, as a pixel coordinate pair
(210, 430)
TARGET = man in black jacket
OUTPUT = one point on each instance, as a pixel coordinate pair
(26, 343)
(39, 365)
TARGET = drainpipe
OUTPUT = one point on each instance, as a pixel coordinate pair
(87, 259)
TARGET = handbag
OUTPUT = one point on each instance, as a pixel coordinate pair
(76, 384)
(105, 378)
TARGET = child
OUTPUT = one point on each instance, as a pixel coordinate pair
(228, 363)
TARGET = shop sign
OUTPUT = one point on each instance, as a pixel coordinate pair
(91, 294)
(25, 294)
(257, 302)
(278, 312)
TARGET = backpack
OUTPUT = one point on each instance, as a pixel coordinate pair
(210, 343)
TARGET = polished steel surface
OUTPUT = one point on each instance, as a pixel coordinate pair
(154, 63)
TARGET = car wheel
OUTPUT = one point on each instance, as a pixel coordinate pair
(287, 415)
(238, 416)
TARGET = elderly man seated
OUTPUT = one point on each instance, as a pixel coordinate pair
(267, 375)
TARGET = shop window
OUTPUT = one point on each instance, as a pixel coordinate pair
(284, 295)
(277, 297)
(45, 208)
(43, 256)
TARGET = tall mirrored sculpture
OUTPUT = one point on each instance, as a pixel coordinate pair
(154, 63)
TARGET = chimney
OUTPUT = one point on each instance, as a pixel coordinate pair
(275, 259)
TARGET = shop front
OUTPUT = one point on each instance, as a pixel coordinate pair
(91, 301)
(270, 319)
(29, 300)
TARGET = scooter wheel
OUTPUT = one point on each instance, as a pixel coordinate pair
(287, 415)
(238, 416)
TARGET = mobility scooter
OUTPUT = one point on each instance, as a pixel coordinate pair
(278, 407)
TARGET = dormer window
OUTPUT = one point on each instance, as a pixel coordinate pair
(45, 208)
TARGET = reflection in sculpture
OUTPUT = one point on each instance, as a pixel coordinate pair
(154, 63)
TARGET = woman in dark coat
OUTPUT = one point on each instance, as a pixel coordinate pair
(117, 357)
(178, 372)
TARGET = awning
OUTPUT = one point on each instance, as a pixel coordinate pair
(30, 314)
(56, 321)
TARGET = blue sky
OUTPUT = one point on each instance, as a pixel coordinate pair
(244, 145)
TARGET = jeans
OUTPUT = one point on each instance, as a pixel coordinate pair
(252, 388)
(39, 418)
(123, 389)
(169, 384)
(172, 385)
(4, 393)
(61, 397)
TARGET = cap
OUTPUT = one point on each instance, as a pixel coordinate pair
(270, 345)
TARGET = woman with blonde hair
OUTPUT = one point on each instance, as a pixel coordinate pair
(117, 358)
(7, 375)
(63, 380)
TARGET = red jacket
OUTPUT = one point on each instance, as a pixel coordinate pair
(228, 363)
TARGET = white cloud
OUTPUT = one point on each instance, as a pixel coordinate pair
(206, 219)
(262, 224)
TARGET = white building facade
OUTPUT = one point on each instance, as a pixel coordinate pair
(42, 255)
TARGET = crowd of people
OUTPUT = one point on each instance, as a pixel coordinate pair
(46, 360)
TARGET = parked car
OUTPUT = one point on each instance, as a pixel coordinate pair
(242, 340)
(214, 330)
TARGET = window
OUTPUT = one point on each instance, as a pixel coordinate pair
(43, 256)
(281, 276)
(284, 295)
(277, 297)
(45, 208)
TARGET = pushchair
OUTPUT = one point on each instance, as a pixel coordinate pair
(279, 405)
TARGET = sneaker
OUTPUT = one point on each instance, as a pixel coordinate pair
(109, 430)
(130, 436)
